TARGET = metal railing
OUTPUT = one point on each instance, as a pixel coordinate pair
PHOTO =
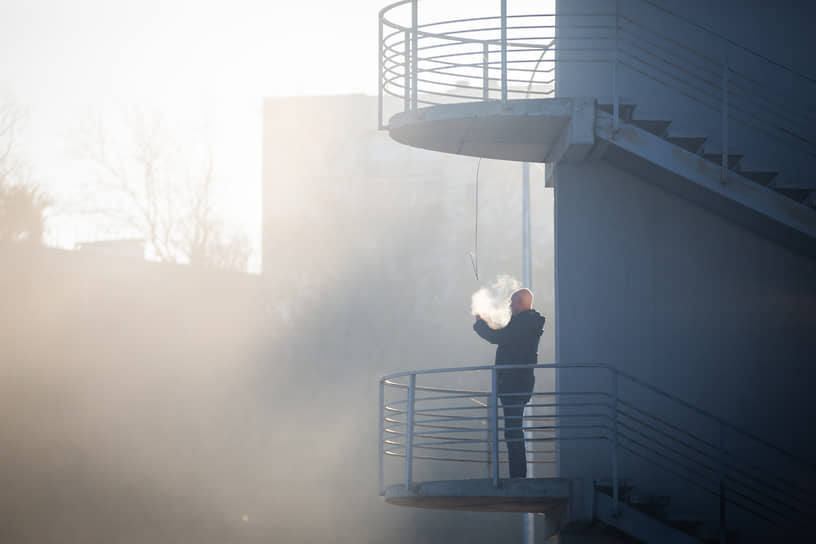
(612, 412)
(502, 57)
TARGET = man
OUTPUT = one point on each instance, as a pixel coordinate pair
(517, 345)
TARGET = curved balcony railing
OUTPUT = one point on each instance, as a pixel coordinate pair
(450, 418)
(500, 57)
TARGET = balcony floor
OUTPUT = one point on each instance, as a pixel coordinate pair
(538, 495)
(519, 130)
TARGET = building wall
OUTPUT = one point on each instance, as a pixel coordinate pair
(699, 307)
(662, 288)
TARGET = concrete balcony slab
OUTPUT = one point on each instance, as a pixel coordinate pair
(542, 130)
(538, 495)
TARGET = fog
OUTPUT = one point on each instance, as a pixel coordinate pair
(147, 402)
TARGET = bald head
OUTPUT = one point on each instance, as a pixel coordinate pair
(521, 301)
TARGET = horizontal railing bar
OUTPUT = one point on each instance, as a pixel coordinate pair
(712, 469)
(421, 444)
(714, 492)
(700, 440)
(449, 370)
(399, 445)
(757, 89)
(677, 44)
(672, 438)
(399, 27)
(713, 82)
(731, 42)
(698, 475)
(426, 458)
(746, 121)
(563, 404)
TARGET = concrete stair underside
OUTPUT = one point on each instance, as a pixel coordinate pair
(749, 198)
(802, 191)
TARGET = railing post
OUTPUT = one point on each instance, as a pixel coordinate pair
(722, 487)
(615, 492)
(615, 99)
(409, 432)
(485, 72)
(494, 426)
(504, 51)
(724, 170)
(406, 96)
(380, 79)
(382, 435)
(414, 52)
(489, 431)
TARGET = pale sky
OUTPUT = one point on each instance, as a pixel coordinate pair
(195, 62)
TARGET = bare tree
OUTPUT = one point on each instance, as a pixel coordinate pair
(148, 185)
(22, 204)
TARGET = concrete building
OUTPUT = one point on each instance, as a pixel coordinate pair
(680, 150)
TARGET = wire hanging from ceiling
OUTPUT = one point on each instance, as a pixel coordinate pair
(474, 255)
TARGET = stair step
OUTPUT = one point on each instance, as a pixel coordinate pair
(763, 178)
(731, 537)
(662, 500)
(654, 505)
(799, 195)
(704, 530)
(624, 488)
(658, 128)
(689, 526)
(716, 158)
(624, 110)
(694, 145)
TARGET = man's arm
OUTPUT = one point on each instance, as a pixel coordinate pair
(494, 336)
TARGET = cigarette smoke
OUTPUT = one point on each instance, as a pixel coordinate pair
(492, 302)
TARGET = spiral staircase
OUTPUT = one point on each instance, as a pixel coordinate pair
(485, 86)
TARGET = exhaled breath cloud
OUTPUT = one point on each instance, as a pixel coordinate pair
(492, 302)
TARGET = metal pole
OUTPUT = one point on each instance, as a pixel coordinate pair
(529, 528)
(485, 72)
(527, 281)
(527, 277)
(494, 426)
(382, 435)
(414, 50)
(409, 432)
(504, 51)
(722, 488)
(724, 171)
(406, 68)
(490, 459)
(380, 79)
(615, 493)
(615, 99)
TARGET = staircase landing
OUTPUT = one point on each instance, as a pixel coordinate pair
(538, 495)
(519, 130)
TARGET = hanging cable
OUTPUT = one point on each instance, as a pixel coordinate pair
(474, 255)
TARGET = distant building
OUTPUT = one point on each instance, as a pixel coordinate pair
(118, 248)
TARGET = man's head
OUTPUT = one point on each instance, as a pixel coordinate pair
(521, 301)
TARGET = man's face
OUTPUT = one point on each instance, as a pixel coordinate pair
(515, 304)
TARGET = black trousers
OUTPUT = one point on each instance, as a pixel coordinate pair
(513, 407)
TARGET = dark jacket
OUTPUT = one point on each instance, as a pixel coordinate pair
(517, 345)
